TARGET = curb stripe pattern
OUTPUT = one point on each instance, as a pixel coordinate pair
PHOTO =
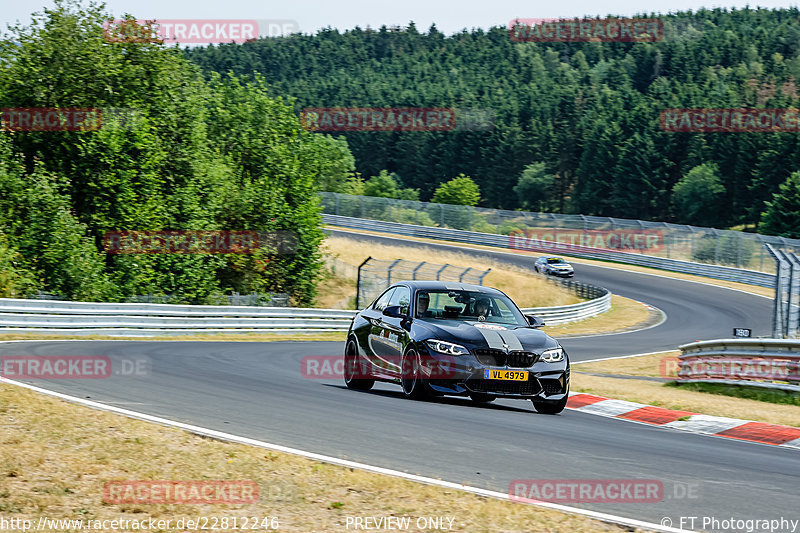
(731, 428)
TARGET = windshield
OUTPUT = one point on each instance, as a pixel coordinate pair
(552, 260)
(468, 305)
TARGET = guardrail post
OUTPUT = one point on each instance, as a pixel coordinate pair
(358, 280)
(739, 250)
(389, 272)
(414, 272)
(480, 279)
(439, 272)
(777, 312)
(794, 291)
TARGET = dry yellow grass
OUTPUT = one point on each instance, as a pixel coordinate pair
(655, 393)
(334, 292)
(56, 457)
(624, 314)
(525, 288)
(645, 365)
(763, 291)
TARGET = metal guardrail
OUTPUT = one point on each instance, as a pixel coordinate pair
(659, 239)
(750, 277)
(770, 363)
(131, 319)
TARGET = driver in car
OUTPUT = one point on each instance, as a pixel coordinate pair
(423, 300)
(482, 307)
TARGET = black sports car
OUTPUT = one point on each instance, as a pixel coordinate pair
(442, 338)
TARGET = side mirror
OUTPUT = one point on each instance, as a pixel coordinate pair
(393, 311)
(535, 321)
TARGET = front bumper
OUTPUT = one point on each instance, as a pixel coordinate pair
(545, 381)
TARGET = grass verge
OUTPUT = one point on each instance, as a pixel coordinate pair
(56, 457)
(525, 287)
(593, 378)
(761, 394)
(625, 315)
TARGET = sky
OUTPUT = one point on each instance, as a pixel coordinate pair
(450, 16)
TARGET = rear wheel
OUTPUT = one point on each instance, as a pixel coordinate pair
(414, 387)
(481, 397)
(354, 371)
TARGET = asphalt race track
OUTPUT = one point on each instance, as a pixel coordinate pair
(257, 390)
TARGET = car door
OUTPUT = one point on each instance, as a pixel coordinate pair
(395, 337)
(376, 348)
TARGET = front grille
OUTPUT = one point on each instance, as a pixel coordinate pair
(496, 386)
(514, 358)
(551, 386)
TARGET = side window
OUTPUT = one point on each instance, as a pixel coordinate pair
(401, 297)
(381, 303)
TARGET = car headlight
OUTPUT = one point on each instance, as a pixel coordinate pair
(553, 355)
(445, 347)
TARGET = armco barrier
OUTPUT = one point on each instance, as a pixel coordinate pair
(131, 319)
(750, 277)
(772, 363)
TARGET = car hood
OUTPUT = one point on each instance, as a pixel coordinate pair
(473, 334)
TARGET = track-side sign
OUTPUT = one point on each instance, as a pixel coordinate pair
(742, 332)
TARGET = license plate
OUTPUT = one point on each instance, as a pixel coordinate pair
(505, 375)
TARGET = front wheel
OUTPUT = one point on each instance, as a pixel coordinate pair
(550, 407)
(414, 387)
(354, 371)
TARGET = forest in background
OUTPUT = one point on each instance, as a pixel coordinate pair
(189, 153)
(577, 124)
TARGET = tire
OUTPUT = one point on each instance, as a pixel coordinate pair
(414, 388)
(351, 362)
(550, 407)
(481, 397)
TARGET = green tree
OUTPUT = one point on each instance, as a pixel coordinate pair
(386, 185)
(536, 188)
(460, 190)
(697, 196)
(782, 214)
